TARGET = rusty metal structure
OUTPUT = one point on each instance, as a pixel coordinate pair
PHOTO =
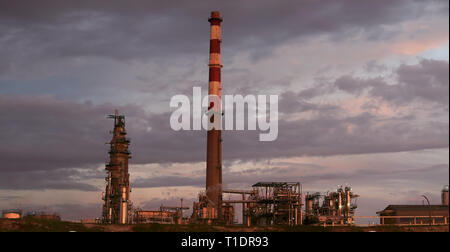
(205, 214)
(331, 208)
(165, 215)
(202, 210)
(276, 203)
(246, 201)
(117, 204)
(270, 203)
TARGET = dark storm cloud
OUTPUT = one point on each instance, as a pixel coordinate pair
(143, 29)
(427, 81)
(47, 139)
(44, 133)
(328, 135)
(79, 50)
(381, 174)
(324, 135)
(64, 179)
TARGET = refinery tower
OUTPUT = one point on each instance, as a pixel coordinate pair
(116, 209)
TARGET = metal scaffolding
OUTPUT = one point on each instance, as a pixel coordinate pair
(331, 208)
(117, 204)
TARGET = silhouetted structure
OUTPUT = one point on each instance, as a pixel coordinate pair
(415, 214)
(116, 208)
(210, 209)
(336, 207)
(214, 138)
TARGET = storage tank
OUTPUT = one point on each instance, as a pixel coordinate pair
(445, 196)
(12, 214)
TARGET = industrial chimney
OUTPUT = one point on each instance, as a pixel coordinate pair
(445, 196)
(214, 140)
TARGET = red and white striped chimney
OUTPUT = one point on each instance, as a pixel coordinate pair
(214, 141)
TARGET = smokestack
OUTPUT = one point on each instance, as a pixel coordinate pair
(214, 139)
(445, 196)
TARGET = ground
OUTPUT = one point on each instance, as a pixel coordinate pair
(34, 225)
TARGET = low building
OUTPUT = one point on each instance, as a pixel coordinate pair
(414, 214)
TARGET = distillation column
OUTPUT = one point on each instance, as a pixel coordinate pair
(214, 140)
(116, 209)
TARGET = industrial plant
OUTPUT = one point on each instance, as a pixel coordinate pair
(265, 203)
(337, 207)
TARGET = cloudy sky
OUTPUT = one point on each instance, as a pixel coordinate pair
(363, 89)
